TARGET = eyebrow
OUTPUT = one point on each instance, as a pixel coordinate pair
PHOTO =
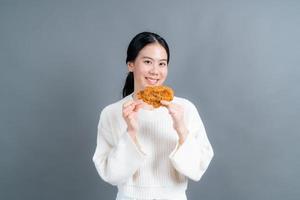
(153, 59)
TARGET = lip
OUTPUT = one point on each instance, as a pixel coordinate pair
(152, 81)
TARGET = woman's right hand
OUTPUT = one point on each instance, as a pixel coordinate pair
(130, 109)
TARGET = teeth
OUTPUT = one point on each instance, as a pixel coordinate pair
(152, 81)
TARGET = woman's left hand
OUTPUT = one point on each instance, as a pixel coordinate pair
(177, 113)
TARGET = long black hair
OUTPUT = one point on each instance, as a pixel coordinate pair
(135, 46)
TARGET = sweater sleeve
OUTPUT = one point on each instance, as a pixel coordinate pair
(116, 161)
(193, 156)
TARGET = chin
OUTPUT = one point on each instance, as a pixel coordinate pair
(156, 84)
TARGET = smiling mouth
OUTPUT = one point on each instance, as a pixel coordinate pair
(152, 81)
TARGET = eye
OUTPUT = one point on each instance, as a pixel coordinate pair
(163, 64)
(147, 61)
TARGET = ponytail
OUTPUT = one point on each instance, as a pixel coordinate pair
(129, 85)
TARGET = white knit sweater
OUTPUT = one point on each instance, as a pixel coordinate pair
(157, 168)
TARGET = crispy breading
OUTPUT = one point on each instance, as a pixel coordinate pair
(154, 94)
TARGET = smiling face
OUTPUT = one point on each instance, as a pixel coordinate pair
(150, 68)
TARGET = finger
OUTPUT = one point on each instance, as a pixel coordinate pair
(127, 113)
(127, 103)
(175, 107)
(165, 103)
(131, 118)
(133, 107)
(138, 106)
(139, 101)
(172, 110)
(129, 107)
(178, 108)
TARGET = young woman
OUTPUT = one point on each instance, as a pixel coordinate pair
(150, 153)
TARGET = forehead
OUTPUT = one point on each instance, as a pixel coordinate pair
(154, 51)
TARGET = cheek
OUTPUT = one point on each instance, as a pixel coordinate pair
(165, 72)
(140, 73)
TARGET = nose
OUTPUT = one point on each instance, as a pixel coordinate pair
(154, 69)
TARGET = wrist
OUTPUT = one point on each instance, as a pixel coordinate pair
(182, 134)
(182, 131)
(132, 134)
(131, 130)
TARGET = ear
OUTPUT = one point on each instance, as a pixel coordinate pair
(130, 66)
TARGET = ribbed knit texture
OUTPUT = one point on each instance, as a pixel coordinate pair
(158, 167)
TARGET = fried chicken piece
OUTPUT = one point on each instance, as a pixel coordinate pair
(154, 94)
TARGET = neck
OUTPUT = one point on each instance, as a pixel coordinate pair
(134, 95)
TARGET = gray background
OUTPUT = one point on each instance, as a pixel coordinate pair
(63, 61)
